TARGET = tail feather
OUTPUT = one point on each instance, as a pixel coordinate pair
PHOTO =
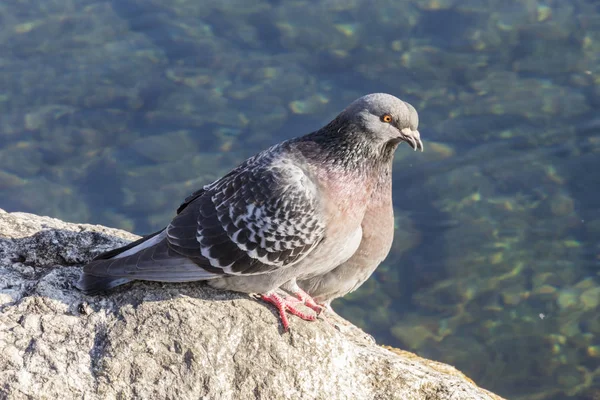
(150, 260)
(114, 253)
(90, 284)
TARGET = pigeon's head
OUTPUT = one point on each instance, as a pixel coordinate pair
(384, 120)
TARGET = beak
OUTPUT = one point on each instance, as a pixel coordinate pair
(413, 138)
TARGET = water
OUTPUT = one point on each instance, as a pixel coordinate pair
(111, 112)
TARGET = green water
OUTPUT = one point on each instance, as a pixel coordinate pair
(111, 112)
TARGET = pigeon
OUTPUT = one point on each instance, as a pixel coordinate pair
(377, 235)
(295, 212)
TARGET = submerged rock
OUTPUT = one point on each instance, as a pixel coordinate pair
(150, 340)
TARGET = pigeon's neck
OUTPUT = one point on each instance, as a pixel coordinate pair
(348, 155)
(352, 170)
(383, 186)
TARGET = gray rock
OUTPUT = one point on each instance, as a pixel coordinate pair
(176, 341)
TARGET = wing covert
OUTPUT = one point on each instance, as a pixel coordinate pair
(252, 221)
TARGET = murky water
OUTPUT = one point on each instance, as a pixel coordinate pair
(112, 111)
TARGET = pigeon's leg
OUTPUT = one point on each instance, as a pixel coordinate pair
(284, 304)
(309, 301)
(301, 295)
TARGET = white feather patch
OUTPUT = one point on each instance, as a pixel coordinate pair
(143, 245)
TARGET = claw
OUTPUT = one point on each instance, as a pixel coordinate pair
(302, 296)
(286, 304)
(308, 301)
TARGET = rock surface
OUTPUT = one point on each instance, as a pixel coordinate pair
(176, 341)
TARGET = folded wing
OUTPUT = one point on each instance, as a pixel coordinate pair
(255, 220)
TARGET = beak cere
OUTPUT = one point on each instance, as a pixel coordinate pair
(412, 137)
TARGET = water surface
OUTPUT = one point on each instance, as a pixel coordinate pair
(111, 112)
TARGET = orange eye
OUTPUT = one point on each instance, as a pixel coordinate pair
(386, 118)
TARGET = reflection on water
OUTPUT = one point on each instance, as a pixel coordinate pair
(112, 111)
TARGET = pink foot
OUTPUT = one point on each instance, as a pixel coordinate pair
(308, 301)
(283, 305)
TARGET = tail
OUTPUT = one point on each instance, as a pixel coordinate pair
(148, 259)
(90, 284)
